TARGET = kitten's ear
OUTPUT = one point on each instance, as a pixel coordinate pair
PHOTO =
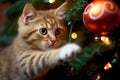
(29, 13)
(60, 11)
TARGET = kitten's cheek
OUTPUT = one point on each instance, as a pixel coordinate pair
(57, 44)
(42, 45)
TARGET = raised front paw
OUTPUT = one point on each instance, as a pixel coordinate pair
(69, 50)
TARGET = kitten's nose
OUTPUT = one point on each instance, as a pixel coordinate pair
(53, 41)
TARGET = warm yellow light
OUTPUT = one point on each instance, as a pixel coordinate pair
(107, 66)
(98, 77)
(51, 1)
(105, 39)
(96, 10)
(74, 35)
(96, 38)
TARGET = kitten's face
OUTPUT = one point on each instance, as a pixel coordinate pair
(44, 29)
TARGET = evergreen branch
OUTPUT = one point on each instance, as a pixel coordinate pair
(72, 14)
(87, 54)
(74, 9)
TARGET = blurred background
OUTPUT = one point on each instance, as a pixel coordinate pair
(100, 58)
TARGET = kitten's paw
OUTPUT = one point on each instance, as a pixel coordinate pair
(69, 51)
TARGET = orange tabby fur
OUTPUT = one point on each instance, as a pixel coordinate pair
(41, 42)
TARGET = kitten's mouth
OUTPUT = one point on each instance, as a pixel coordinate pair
(51, 46)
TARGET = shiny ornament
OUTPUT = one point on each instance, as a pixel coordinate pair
(101, 16)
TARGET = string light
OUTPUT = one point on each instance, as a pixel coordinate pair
(74, 35)
(51, 1)
(114, 61)
(105, 40)
(98, 77)
(107, 66)
(96, 38)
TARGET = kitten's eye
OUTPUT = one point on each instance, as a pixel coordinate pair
(58, 31)
(43, 31)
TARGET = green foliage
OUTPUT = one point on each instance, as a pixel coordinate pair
(10, 27)
(72, 12)
(88, 53)
(3, 1)
(76, 8)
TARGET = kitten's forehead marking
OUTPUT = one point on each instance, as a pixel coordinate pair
(50, 22)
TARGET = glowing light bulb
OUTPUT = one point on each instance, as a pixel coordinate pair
(105, 39)
(74, 35)
(107, 66)
(51, 1)
(98, 77)
(96, 38)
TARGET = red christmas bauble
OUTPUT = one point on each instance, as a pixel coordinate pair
(101, 16)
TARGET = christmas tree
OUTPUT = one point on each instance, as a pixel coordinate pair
(93, 24)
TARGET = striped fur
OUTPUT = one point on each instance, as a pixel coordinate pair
(41, 43)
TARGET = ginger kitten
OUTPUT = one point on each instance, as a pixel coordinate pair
(41, 43)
